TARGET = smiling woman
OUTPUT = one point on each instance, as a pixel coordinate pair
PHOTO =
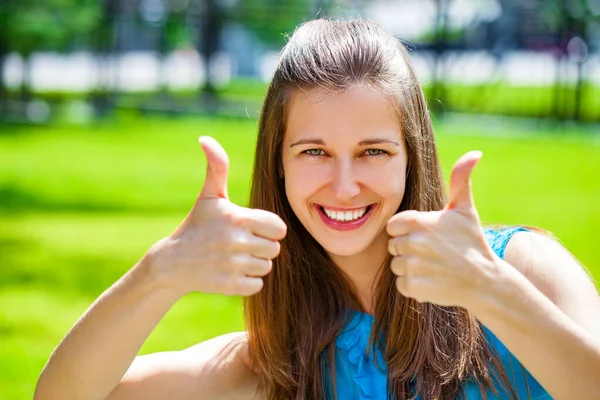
(344, 154)
(361, 280)
(360, 189)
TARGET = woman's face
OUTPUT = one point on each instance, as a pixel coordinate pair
(344, 162)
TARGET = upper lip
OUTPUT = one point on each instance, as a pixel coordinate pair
(334, 208)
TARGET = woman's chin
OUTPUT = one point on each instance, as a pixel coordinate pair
(371, 242)
(344, 249)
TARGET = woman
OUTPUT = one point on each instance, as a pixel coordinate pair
(362, 281)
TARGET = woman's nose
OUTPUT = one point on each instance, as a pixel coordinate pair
(344, 183)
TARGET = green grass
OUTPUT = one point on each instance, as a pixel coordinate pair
(79, 206)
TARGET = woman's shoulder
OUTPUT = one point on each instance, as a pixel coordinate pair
(537, 256)
(215, 368)
(555, 272)
(229, 347)
(545, 262)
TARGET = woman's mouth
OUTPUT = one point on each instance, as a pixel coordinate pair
(344, 219)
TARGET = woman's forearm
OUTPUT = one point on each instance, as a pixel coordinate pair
(93, 357)
(562, 356)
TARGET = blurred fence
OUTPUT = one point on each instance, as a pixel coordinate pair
(89, 59)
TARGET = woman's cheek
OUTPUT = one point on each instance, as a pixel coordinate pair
(305, 180)
(390, 186)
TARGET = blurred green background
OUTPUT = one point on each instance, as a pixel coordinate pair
(102, 102)
(80, 205)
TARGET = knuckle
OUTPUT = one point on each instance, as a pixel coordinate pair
(394, 225)
(284, 228)
(238, 241)
(281, 227)
(237, 262)
(276, 225)
(275, 249)
(232, 286)
(267, 249)
(411, 265)
(225, 285)
(268, 267)
(264, 267)
(389, 227)
(414, 220)
(402, 286)
(259, 267)
(415, 242)
(397, 266)
(391, 247)
(241, 218)
(409, 287)
(257, 286)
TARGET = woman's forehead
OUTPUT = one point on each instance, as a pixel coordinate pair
(359, 111)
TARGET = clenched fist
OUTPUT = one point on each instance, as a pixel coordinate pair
(442, 256)
(219, 247)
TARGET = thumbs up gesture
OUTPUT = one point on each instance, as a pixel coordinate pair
(219, 247)
(442, 256)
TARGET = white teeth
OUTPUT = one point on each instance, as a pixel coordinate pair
(344, 216)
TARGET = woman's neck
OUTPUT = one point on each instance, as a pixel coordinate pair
(362, 269)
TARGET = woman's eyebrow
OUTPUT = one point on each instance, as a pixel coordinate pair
(308, 141)
(369, 142)
(366, 142)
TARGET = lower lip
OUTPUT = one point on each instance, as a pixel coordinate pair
(344, 226)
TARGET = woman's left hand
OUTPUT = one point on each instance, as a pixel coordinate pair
(442, 256)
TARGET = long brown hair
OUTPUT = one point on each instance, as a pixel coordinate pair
(293, 321)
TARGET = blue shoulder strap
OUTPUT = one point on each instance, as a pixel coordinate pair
(498, 239)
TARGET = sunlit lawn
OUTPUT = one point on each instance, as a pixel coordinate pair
(79, 206)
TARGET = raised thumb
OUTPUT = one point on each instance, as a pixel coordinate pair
(461, 195)
(217, 167)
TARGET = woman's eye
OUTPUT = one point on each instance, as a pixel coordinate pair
(314, 152)
(375, 152)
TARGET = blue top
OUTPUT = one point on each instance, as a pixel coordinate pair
(357, 376)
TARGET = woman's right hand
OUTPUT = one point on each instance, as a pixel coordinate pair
(219, 247)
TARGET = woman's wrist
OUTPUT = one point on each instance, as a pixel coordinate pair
(156, 277)
(510, 298)
(500, 293)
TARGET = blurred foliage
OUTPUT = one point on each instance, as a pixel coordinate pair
(272, 20)
(31, 25)
(59, 25)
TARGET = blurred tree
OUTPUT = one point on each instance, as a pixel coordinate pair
(211, 36)
(3, 53)
(57, 25)
(270, 20)
(102, 43)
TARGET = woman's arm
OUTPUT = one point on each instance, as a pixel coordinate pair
(218, 248)
(93, 357)
(554, 271)
(214, 369)
(97, 359)
(546, 311)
